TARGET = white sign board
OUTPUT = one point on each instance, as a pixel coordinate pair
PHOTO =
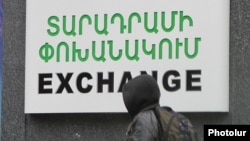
(80, 53)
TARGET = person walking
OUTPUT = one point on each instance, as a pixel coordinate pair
(141, 95)
(150, 121)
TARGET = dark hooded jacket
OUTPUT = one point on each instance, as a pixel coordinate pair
(141, 95)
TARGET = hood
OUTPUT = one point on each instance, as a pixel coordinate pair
(140, 93)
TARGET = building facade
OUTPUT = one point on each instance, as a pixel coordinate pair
(108, 126)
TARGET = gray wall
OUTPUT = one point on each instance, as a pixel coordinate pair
(16, 126)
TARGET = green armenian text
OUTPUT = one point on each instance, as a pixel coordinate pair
(112, 49)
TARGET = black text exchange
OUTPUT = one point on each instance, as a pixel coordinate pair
(170, 81)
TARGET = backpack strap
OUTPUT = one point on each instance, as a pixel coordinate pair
(163, 134)
(157, 115)
(169, 124)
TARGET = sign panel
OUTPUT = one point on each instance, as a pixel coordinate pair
(80, 53)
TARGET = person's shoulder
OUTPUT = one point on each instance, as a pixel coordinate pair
(145, 122)
(145, 114)
(145, 118)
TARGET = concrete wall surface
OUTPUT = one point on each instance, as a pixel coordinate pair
(16, 126)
